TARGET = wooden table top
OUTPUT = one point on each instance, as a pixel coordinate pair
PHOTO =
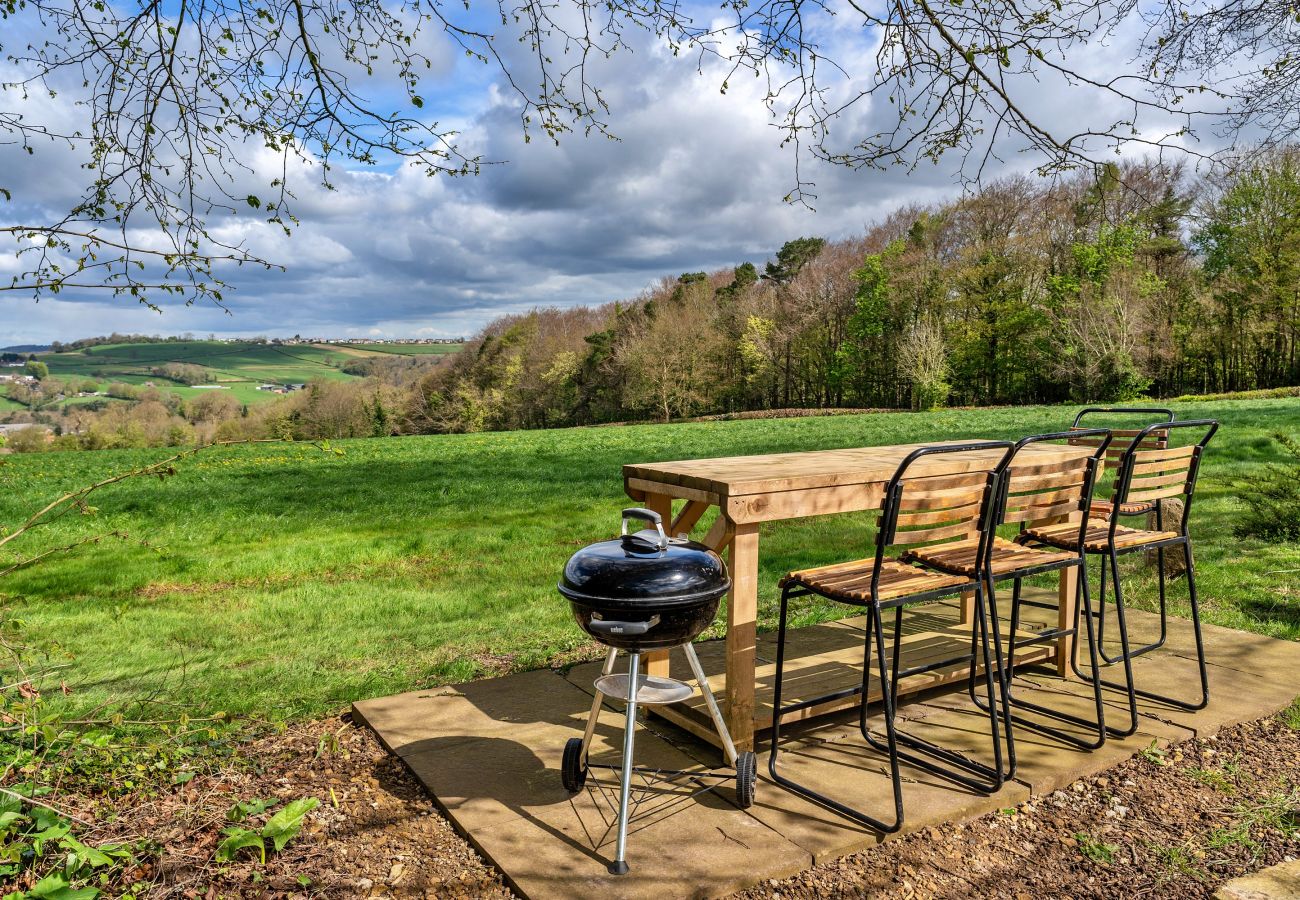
(734, 476)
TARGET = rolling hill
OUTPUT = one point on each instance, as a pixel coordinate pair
(239, 366)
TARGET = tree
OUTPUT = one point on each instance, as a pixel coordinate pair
(37, 369)
(1251, 242)
(176, 101)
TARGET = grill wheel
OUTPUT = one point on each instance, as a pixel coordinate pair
(746, 776)
(573, 769)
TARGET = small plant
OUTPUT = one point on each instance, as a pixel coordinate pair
(1178, 861)
(1290, 717)
(34, 837)
(1215, 778)
(1095, 849)
(1271, 498)
(1154, 754)
(279, 829)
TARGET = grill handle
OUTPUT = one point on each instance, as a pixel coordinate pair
(646, 515)
(606, 626)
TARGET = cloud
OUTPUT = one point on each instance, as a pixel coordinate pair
(695, 181)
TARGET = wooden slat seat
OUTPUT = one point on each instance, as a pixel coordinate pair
(851, 581)
(1102, 508)
(1066, 535)
(1007, 556)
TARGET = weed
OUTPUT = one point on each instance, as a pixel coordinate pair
(1235, 835)
(1178, 861)
(279, 829)
(1094, 849)
(1214, 778)
(1290, 717)
(1154, 754)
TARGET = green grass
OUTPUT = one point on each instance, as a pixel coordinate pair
(409, 349)
(241, 366)
(289, 581)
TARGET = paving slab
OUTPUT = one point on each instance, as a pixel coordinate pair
(490, 752)
(1280, 882)
(830, 756)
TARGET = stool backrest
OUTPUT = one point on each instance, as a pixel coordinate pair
(1151, 474)
(939, 508)
(1121, 438)
(1032, 492)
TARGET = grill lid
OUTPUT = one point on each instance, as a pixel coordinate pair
(644, 570)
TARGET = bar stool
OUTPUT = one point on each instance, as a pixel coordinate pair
(1124, 437)
(1145, 475)
(1030, 494)
(916, 509)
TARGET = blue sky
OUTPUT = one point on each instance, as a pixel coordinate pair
(695, 181)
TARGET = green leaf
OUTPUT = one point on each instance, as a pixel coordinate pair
(245, 808)
(254, 202)
(238, 839)
(288, 822)
(417, 101)
(55, 886)
(182, 777)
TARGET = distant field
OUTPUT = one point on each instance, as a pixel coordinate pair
(408, 349)
(239, 366)
(287, 581)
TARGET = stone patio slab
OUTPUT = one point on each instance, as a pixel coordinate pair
(490, 752)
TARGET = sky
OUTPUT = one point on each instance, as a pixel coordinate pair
(696, 180)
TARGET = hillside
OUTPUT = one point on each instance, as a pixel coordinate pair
(235, 366)
(287, 581)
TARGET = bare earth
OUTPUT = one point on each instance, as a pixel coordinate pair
(1172, 824)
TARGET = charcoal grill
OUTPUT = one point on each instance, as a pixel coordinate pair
(639, 592)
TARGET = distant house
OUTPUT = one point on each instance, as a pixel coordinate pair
(294, 387)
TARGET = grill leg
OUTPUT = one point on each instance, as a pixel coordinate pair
(619, 865)
(595, 706)
(728, 747)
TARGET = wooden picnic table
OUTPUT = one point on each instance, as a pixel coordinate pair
(750, 490)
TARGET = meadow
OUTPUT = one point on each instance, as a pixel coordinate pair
(287, 580)
(239, 367)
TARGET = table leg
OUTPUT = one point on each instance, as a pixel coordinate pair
(656, 661)
(1067, 597)
(742, 616)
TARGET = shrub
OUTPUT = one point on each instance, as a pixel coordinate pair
(1271, 498)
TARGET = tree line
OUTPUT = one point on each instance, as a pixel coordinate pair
(1143, 281)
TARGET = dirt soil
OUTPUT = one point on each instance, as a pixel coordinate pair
(1173, 823)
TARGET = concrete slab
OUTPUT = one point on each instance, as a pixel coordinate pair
(830, 756)
(703, 848)
(490, 752)
(1280, 882)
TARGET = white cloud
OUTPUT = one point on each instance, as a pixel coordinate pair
(696, 181)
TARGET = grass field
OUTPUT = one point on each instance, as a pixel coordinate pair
(240, 366)
(287, 581)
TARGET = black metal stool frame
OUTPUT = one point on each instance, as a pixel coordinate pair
(960, 768)
(1017, 576)
(1117, 511)
(1111, 554)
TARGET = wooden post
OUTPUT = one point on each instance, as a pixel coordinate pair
(742, 616)
(656, 661)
